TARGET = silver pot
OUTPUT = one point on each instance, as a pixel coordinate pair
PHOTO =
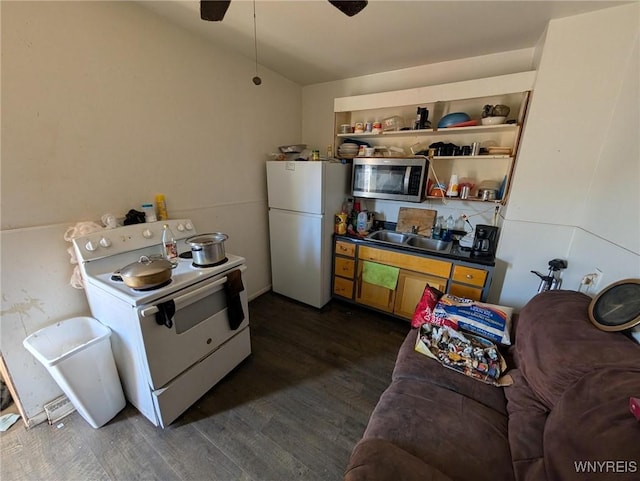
(487, 194)
(146, 273)
(207, 249)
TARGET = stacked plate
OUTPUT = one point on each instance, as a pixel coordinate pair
(348, 150)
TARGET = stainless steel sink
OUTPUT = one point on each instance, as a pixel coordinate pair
(401, 239)
(389, 236)
(429, 244)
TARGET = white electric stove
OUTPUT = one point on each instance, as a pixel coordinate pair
(165, 366)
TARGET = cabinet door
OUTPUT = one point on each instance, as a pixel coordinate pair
(343, 287)
(411, 285)
(373, 295)
(460, 290)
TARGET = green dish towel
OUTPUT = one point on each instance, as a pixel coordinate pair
(380, 275)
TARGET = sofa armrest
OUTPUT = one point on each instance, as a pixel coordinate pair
(381, 460)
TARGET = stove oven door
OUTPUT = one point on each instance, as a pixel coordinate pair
(201, 325)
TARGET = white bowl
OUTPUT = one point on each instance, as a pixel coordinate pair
(493, 120)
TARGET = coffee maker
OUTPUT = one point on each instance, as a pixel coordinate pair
(485, 241)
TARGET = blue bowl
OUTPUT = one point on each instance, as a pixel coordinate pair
(452, 119)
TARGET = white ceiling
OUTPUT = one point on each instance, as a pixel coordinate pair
(310, 41)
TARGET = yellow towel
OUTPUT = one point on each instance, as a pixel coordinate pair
(380, 275)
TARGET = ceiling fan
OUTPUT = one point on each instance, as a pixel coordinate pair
(214, 10)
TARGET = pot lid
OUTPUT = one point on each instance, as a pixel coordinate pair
(145, 267)
(207, 239)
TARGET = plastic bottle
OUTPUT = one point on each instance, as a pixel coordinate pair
(361, 225)
(452, 189)
(162, 207)
(169, 246)
(149, 212)
(354, 215)
(448, 230)
(437, 228)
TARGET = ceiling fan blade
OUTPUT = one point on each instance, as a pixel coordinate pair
(213, 10)
(349, 8)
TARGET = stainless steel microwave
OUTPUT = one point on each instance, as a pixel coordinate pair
(391, 178)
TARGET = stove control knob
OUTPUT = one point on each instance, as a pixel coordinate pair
(105, 242)
(147, 234)
(91, 246)
(188, 226)
(180, 227)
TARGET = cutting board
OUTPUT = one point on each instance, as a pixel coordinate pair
(423, 218)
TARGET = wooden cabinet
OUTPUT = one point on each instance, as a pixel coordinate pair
(344, 268)
(373, 295)
(500, 142)
(468, 282)
(414, 274)
(415, 271)
(411, 285)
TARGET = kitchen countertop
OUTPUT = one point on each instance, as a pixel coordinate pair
(457, 253)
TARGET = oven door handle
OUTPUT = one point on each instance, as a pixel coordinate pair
(185, 300)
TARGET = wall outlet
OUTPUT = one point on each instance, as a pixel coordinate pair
(591, 281)
(597, 280)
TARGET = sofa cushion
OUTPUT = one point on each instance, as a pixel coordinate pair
(381, 460)
(591, 423)
(449, 431)
(556, 344)
(527, 418)
(414, 365)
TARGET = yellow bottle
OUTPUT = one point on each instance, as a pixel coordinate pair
(162, 207)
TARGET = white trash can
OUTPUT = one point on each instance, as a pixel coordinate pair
(77, 354)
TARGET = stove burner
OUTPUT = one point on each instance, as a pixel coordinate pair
(186, 255)
(202, 266)
(153, 288)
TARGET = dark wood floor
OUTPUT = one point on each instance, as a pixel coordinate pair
(293, 410)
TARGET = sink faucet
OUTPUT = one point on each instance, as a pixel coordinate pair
(414, 229)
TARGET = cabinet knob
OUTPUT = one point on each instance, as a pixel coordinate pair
(469, 276)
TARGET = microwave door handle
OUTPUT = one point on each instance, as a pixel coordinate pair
(407, 177)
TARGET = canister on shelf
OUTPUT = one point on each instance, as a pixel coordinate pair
(452, 189)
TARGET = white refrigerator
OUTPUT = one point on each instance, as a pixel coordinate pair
(304, 197)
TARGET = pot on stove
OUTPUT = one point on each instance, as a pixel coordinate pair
(208, 249)
(146, 273)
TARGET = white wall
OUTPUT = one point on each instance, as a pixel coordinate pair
(575, 190)
(105, 104)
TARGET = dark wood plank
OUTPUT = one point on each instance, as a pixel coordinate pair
(293, 410)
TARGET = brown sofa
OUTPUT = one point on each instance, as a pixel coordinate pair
(565, 417)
